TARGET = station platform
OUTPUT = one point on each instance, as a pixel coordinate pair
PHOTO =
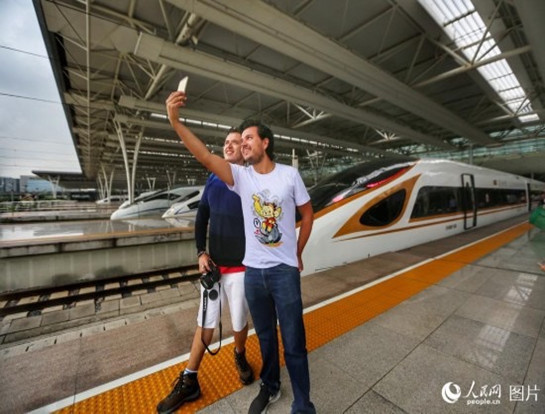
(36, 234)
(56, 253)
(452, 326)
(53, 210)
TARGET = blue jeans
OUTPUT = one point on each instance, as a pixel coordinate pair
(276, 293)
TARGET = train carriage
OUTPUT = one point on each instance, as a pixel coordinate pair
(392, 204)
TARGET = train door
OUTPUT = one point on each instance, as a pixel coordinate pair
(468, 201)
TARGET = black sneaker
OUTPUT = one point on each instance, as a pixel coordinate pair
(244, 369)
(186, 388)
(263, 400)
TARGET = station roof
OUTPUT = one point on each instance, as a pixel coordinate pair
(338, 81)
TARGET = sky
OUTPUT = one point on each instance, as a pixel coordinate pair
(34, 134)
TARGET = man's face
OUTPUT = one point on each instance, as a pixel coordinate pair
(253, 147)
(232, 148)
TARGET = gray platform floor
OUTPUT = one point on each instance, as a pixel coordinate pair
(482, 325)
(482, 328)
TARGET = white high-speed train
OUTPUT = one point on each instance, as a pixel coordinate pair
(392, 204)
(187, 208)
(156, 203)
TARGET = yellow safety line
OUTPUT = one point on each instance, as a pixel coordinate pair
(217, 375)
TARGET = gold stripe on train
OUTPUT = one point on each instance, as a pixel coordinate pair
(452, 217)
(353, 225)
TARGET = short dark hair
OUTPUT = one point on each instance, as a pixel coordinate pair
(263, 131)
(234, 130)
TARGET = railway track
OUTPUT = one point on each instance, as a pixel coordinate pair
(34, 301)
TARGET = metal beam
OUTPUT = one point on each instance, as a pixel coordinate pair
(271, 27)
(175, 146)
(127, 40)
(133, 103)
(532, 15)
(160, 51)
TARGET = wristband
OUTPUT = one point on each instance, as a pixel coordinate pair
(201, 253)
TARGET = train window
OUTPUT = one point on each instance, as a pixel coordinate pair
(186, 197)
(159, 196)
(535, 197)
(483, 197)
(322, 195)
(194, 205)
(173, 196)
(511, 198)
(354, 180)
(495, 197)
(431, 201)
(385, 211)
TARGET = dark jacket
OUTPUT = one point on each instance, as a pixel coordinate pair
(221, 207)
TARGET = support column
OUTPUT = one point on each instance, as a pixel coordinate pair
(294, 159)
(105, 182)
(314, 159)
(171, 178)
(151, 183)
(130, 173)
(54, 182)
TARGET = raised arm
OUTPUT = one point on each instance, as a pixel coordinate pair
(216, 164)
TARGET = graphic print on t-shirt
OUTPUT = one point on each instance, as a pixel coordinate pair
(267, 211)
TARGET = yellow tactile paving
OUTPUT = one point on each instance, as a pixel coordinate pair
(107, 403)
(404, 287)
(217, 375)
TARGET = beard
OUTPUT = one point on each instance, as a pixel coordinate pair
(253, 158)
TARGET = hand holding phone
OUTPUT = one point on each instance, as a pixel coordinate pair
(182, 85)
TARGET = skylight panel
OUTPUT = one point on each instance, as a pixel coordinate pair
(464, 26)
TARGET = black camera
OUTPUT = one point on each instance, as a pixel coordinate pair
(209, 278)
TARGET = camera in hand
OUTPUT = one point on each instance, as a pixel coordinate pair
(209, 278)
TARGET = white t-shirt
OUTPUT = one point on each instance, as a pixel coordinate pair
(268, 206)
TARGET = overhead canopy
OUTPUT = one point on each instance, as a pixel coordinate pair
(337, 81)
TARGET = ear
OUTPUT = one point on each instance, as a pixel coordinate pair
(265, 143)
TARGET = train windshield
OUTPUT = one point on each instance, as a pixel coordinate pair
(355, 179)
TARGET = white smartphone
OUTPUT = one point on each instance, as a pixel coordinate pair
(182, 85)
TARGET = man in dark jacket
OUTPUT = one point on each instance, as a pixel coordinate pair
(220, 208)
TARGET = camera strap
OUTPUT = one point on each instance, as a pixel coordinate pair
(204, 307)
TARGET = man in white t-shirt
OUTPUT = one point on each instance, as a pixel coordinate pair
(270, 194)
